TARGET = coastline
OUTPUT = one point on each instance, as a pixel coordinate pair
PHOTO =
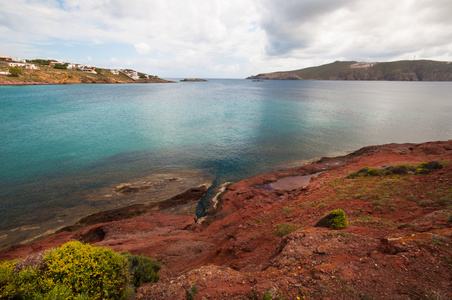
(395, 222)
(26, 83)
(147, 191)
(131, 199)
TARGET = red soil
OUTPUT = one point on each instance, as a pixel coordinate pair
(397, 244)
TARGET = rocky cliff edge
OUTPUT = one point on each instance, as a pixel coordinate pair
(261, 241)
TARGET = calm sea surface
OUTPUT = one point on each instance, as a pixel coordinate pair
(59, 141)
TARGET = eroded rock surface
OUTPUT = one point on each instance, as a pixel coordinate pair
(398, 244)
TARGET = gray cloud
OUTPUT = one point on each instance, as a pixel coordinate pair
(232, 38)
(350, 29)
(294, 24)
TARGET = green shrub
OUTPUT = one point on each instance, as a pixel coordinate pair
(60, 66)
(99, 272)
(428, 167)
(285, 229)
(72, 271)
(335, 219)
(267, 296)
(428, 203)
(15, 71)
(402, 169)
(365, 172)
(353, 174)
(191, 293)
(60, 292)
(142, 269)
(399, 169)
(26, 284)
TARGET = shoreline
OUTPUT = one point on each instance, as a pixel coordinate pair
(210, 205)
(149, 190)
(303, 168)
(260, 239)
(27, 83)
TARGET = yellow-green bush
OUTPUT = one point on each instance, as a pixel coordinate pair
(29, 283)
(285, 229)
(335, 219)
(402, 169)
(76, 271)
(99, 272)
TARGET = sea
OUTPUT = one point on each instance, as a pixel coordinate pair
(58, 142)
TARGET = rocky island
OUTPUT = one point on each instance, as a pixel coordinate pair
(267, 237)
(192, 80)
(407, 70)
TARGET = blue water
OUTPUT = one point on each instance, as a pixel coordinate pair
(59, 141)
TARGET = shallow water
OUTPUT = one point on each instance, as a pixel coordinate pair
(290, 183)
(58, 143)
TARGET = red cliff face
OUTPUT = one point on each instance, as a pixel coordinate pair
(397, 244)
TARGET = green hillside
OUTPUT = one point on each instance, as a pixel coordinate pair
(405, 70)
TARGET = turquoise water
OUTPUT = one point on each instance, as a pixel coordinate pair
(59, 141)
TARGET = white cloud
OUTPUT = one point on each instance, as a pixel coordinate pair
(233, 38)
(142, 48)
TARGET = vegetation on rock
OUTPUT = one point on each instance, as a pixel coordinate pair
(335, 219)
(402, 169)
(15, 71)
(76, 271)
(143, 269)
(285, 229)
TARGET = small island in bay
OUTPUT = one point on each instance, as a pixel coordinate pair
(406, 70)
(193, 79)
(16, 71)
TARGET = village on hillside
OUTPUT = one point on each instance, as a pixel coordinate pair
(36, 64)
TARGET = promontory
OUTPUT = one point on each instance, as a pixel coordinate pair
(404, 70)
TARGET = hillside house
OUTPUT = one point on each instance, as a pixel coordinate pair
(23, 65)
(5, 58)
(54, 62)
(87, 69)
(130, 73)
(11, 58)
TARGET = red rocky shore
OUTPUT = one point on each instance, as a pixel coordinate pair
(397, 245)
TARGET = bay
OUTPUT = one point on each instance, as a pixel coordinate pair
(59, 142)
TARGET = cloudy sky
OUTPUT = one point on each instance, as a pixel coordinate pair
(224, 39)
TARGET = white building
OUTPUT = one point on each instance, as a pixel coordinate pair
(131, 73)
(23, 65)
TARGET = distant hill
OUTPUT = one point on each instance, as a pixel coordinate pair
(404, 70)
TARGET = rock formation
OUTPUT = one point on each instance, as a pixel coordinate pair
(397, 245)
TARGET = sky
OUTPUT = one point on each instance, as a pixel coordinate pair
(225, 39)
